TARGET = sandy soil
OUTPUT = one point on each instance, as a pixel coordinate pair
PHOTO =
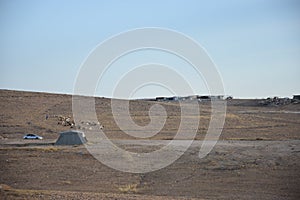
(257, 156)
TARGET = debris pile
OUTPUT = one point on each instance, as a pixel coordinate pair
(84, 125)
(275, 101)
(65, 121)
(87, 125)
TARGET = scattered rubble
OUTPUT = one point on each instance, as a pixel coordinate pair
(88, 125)
(65, 121)
(229, 98)
(275, 101)
(84, 125)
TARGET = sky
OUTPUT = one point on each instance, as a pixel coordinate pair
(255, 44)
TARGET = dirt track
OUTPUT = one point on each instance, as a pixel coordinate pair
(257, 157)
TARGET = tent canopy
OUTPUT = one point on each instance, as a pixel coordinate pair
(71, 138)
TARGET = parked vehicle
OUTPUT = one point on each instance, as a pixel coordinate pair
(32, 137)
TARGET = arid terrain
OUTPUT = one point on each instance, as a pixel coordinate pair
(257, 155)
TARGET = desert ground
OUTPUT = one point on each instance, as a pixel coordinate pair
(257, 155)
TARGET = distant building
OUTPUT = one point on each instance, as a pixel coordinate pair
(193, 97)
(160, 98)
(190, 98)
(220, 97)
(182, 98)
(166, 99)
(172, 98)
(296, 97)
(204, 97)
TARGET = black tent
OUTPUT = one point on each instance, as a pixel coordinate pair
(71, 138)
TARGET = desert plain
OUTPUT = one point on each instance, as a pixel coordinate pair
(256, 157)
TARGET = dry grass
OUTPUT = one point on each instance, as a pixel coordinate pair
(66, 182)
(50, 149)
(13, 194)
(9, 190)
(43, 149)
(232, 116)
(130, 188)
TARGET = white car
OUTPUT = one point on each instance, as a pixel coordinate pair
(32, 137)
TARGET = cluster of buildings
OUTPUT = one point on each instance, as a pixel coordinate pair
(274, 100)
(192, 97)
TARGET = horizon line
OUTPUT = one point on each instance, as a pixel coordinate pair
(142, 98)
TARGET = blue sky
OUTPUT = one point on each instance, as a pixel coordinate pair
(255, 44)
